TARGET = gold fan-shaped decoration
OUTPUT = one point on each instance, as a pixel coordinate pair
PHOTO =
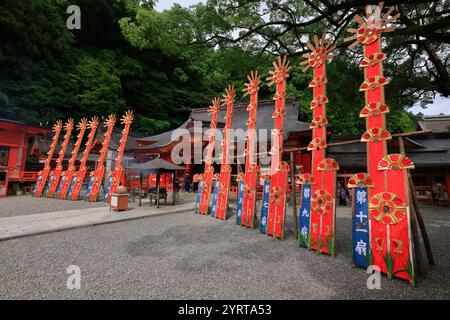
(305, 178)
(360, 180)
(395, 161)
(328, 164)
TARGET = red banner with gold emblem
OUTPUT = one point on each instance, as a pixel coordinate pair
(389, 196)
(251, 162)
(225, 168)
(66, 176)
(78, 177)
(323, 192)
(279, 169)
(97, 177)
(116, 175)
(44, 173)
(54, 182)
(206, 182)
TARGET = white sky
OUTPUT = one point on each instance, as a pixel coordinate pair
(440, 105)
(167, 4)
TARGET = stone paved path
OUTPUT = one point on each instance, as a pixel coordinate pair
(32, 224)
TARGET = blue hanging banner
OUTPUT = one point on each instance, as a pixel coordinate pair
(215, 197)
(74, 179)
(47, 189)
(360, 227)
(37, 184)
(240, 201)
(199, 195)
(58, 190)
(265, 206)
(88, 192)
(108, 186)
(304, 217)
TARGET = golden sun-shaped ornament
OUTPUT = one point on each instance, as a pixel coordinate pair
(111, 121)
(214, 108)
(93, 123)
(228, 97)
(372, 26)
(280, 73)
(252, 86)
(276, 196)
(319, 53)
(57, 127)
(322, 202)
(82, 124)
(387, 208)
(128, 117)
(69, 125)
(248, 191)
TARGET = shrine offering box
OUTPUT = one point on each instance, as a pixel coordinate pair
(119, 202)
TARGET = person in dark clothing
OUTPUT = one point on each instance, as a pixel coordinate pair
(195, 186)
(187, 183)
(342, 193)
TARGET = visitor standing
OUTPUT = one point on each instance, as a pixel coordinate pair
(187, 182)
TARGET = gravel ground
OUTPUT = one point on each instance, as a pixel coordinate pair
(21, 205)
(186, 256)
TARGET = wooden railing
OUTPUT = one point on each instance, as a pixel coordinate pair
(28, 175)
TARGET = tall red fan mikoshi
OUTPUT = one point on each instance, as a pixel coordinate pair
(323, 192)
(66, 176)
(251, 161)
(98, 174)
(44, 173)
(209, 169)
(78, 177)
(389, 215)
(279, 169)
(225, 167)
(68, 127)
(127, 119)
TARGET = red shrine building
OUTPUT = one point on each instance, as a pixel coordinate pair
(16, 139)
(296, 133)
(430, 151)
